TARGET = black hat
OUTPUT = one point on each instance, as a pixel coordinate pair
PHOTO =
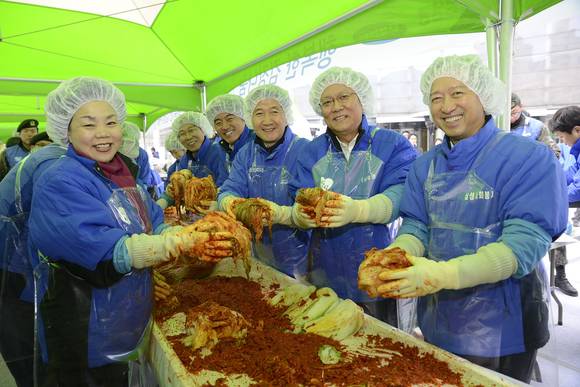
(516, 101)
(30, 123)
(42, 136)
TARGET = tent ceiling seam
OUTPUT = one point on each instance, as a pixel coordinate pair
(84, 59)
(96, 17)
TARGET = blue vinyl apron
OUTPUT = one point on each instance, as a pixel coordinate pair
(464, 215)
(288, 248)
(118, 325)
(336, 253)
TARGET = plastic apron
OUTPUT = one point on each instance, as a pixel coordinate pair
(199, 170)
(16, 298)
(336, 253)
(287, 249)
(115, 322)
(485, 320)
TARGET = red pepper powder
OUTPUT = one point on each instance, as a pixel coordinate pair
(274, 356)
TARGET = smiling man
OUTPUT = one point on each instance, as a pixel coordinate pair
(479, 213)
(365, 167)
(226, 113)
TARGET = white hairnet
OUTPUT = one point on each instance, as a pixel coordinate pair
(269, 92)
(130, 145)
(172, 143)
(194, 118)
(227, 103)
(344, 76)
(63, 102)
(470, 70)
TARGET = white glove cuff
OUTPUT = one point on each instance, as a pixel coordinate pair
(492, 263)
(284, 215)
(410, 243)
(145, 250)
(376, 209)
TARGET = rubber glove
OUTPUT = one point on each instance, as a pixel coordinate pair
(301, 219)
(206, 206)
(148, 250)
(162, 290)
(491, 263)
(162, 203)
(280, 214)
(227, 205)
(410, 243)
(343, 210)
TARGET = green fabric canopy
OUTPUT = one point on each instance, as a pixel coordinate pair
(220, 43)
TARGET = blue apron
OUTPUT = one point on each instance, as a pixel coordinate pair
(336, 253)
(287, 249)
(198, 170)
(119, 324)
(464, 215)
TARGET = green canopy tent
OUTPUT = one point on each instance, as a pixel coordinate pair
(176, 54)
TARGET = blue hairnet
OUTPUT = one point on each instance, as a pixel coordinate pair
(194, 118)
(344, 76)
(63, 102)
(269, 92)
(130, 145)
(470, 70)
(227, 103)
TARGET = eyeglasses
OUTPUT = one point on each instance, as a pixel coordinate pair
(342, 99)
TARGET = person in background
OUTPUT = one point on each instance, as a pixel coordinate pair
(13, 154)
(16, 273)
(479, 213)
(565, 123)
(176, 149)
(226, 113)
(413, 141)
(366, 167)
(154, 152)
(526, 126)
(262, 169)
(95, 233)
(130, 148)
(406, 134)
(39, 141)
(202, 157)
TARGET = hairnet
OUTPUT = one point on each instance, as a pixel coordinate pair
(269, 92)
(64, 101)
(194, 118)
(470, 70)
(344, 76)
(130, 145)
(227, 103)
(172, 143)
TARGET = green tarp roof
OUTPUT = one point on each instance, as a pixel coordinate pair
(220, 42)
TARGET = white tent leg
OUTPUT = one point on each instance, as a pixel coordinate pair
(491, 40)
(203, 90)
(506, 40)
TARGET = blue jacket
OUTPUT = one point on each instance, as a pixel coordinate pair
(147, 175)
(337, 253)
(73, 223)
(525, 174)
(257, 172)
(514, 195)
(208, 160)
(228, 153)
(529, 128)
(14, 154)
(10, 207)
(573, 175)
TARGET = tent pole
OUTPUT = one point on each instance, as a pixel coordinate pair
(144, 117)
(200, 85)
(491, 40)
(506, 40)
